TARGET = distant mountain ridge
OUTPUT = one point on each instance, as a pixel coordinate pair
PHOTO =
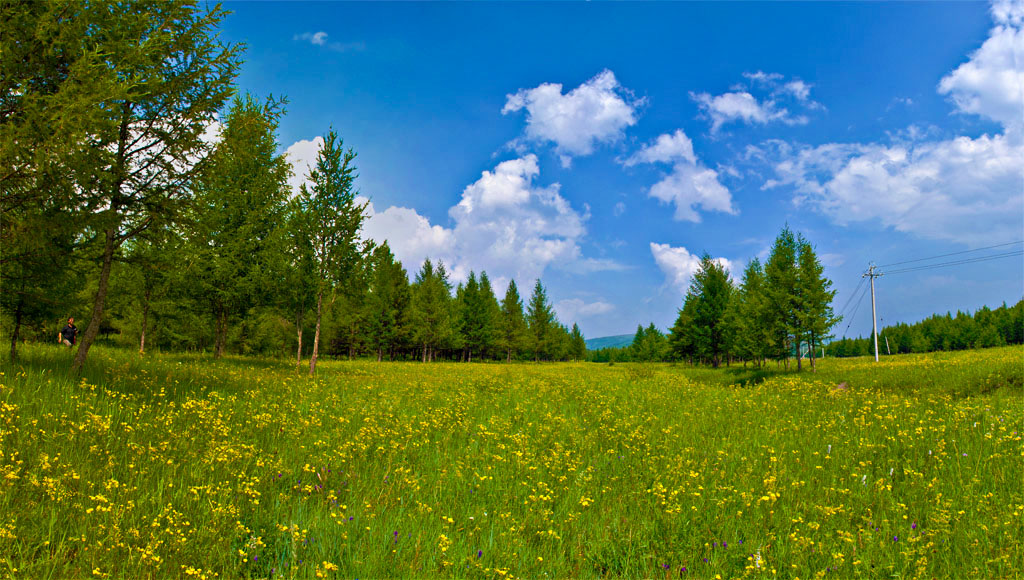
(618, 341)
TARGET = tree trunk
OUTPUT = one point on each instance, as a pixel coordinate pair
(424, 352)
(813, 368)
(508, 359)
(222, 333)
(380, 354)
(316, 335)
(298, 331)
(145, 319)
(17, 324)
(98, 303)
(799, 357)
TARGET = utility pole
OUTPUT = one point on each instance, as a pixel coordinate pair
(874, 320)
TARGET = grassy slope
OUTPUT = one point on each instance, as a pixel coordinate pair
(181, 466)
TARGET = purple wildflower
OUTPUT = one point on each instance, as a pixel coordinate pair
(913, 526)
(665, 566)
(895, 538)
(479, 553)
(724, 545)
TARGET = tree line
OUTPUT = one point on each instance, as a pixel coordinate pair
(774, 312)
(116, 201)
(985, 328)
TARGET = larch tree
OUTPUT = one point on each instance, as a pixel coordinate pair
(781, 291)
(387, 303)
(166, 74)
(816, 294)
(332, 219)
(540, 322)
(712, 291)
(577, 344)
(511, 326)
(239, 213)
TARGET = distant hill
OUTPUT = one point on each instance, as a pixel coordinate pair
(610, 342)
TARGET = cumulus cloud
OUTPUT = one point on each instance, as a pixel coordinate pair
(302, 156)
(964, 189)
(679, 265)
(741, 105)
(598, 111)
(991, 83)
(690, 184)
(504, 223)
(744, 107)
(574, 309)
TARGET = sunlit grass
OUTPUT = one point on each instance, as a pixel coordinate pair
(181, 466)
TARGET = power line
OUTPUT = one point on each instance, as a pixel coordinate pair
(850, 299)
(953, 254)
(957, 262)
(857, 307)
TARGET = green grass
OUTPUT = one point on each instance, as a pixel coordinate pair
(182, 466)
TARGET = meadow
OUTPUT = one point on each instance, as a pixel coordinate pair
(179, 466)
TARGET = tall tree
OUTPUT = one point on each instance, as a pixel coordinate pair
(815, 294)
(299, 293)
(781, 289)
(239, 213)
(431, 309)
(387, 303)
(167, 73)
(511, 325)
(333, 219)
(754, 335)
(712, 291)
(682, 336)
(540, 321)
(578, 344)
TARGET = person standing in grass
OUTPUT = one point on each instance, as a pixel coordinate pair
(68, 333)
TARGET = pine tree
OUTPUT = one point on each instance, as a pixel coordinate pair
(753, 321)
(540, 323)
(511, 323)
(815, 295)
(489, 314)
(682, 336)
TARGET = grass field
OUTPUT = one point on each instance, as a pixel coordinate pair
(178, 466)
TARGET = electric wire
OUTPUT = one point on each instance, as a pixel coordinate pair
(855, 309)
(956, 262)
(952, 254)
(849, 300)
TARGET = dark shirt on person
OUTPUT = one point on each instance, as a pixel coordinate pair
(68, 333)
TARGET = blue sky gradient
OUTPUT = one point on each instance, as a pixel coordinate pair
(881, 131)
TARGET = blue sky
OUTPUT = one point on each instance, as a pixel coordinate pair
(604, 147)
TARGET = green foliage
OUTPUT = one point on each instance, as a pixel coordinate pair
(511, 323)
(540, 323)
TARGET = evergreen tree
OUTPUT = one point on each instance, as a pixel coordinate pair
(816, 317)
(161, 74)
(300, 287)
(431, 309)
(387, 303)
(781, 291)
(490, 312)
(577, 344)
(754, 335)
(540, 322)
(333, 219)
(682, 336)
(712, 291)
(239, 214)
(511, 323)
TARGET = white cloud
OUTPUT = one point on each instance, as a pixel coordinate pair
(302, 155)
(690, 184)
(619, 209)
(410, 236)
(320, 39)
(679, 265)
(666, 148)
(598, 111)
(317, 38)
(574, 309)
(991, 83)
(964, 189)
(742, 106)
(503, 224)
